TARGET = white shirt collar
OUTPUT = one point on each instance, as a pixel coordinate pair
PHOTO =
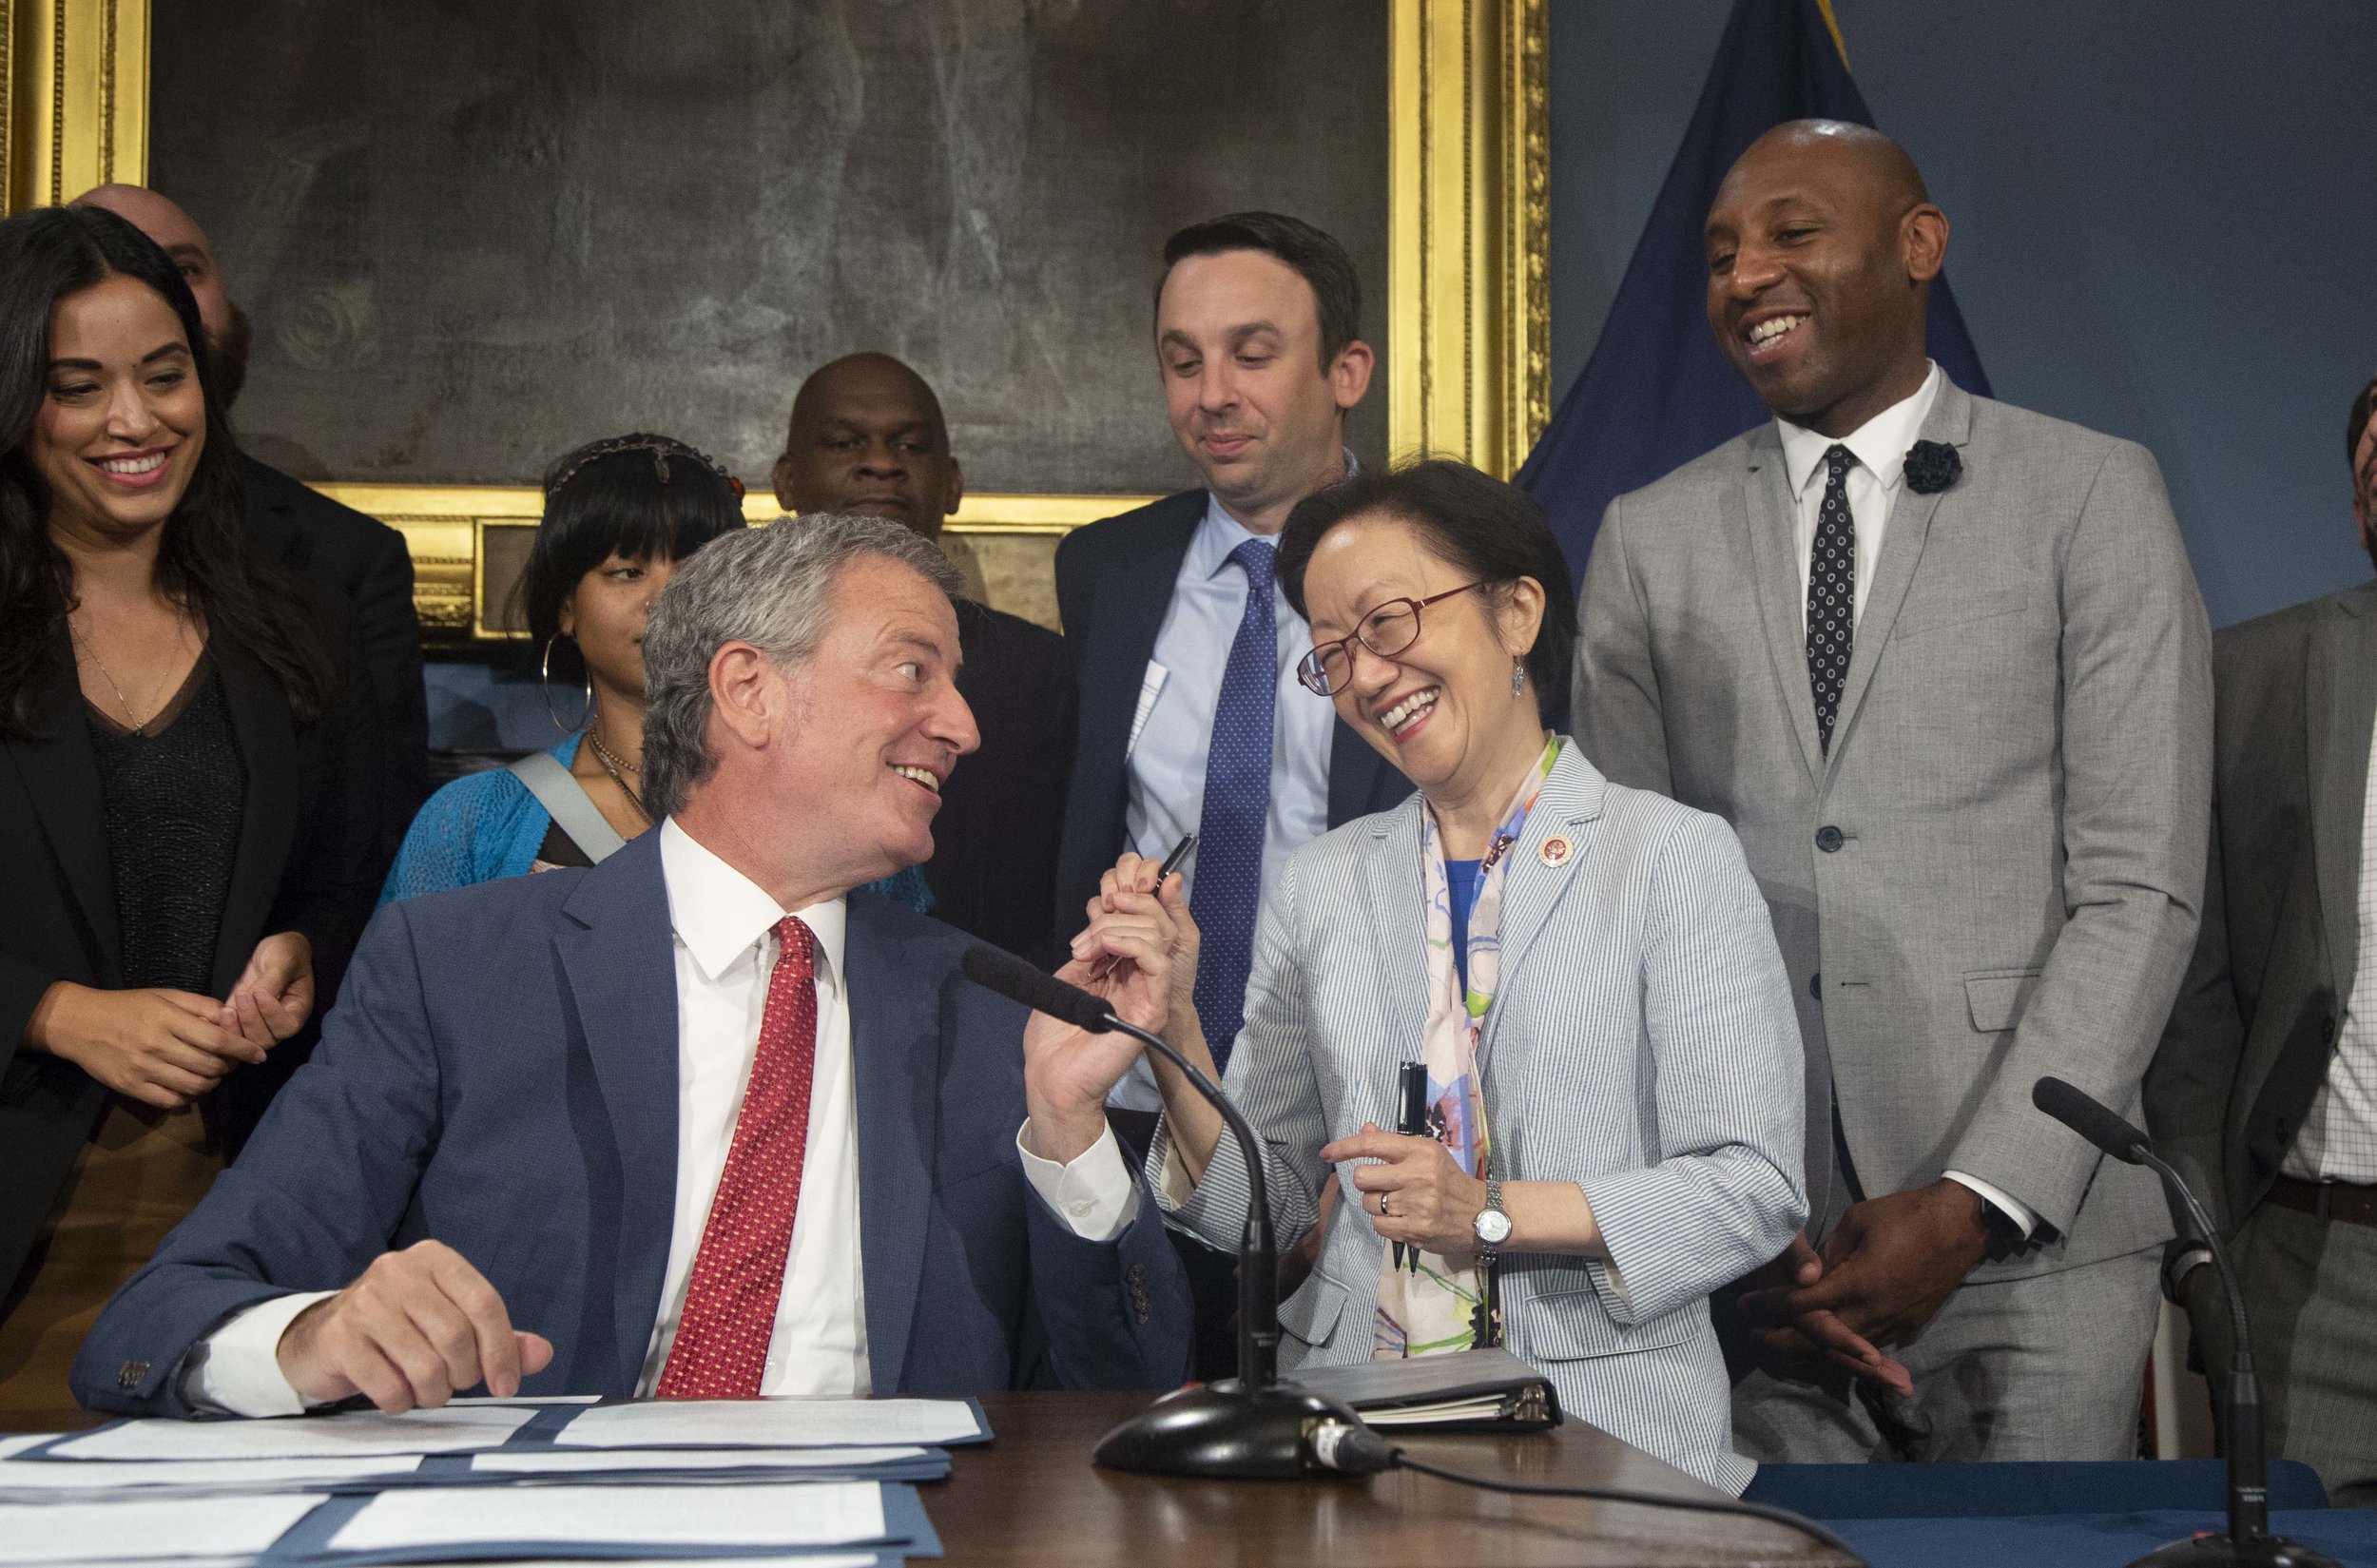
(1220, 533)
(1879, 443)
(720, 913)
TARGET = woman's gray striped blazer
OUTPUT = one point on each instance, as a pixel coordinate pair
(1642, 1045)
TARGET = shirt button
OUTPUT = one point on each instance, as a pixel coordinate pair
(1827, 837)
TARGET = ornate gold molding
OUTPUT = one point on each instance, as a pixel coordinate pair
(73, 97)
(465, 537)
(1468, 252)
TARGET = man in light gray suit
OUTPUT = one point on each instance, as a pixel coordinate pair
(1942, 665)
(2264, 1090)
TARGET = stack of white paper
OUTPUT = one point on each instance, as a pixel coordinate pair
(138, 1531)
(771, 1424)
(456, 1429)
(818, 1514)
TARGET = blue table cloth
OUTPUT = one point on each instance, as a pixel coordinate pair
(2087, 1540)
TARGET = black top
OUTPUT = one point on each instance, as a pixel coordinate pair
(172, 794)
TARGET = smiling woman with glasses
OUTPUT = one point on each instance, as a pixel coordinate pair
(1587, 972)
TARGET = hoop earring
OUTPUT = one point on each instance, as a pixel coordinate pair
(545, 677)
(1518, 677)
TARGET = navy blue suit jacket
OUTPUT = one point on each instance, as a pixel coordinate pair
(1113, 585)
(500, 1074)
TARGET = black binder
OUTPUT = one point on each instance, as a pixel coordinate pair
(1461, 1391)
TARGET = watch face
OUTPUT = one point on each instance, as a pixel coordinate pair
(1494, 1227)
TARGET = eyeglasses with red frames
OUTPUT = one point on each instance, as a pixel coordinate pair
(1389, 629)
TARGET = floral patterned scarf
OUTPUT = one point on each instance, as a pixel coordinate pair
(1443, 1305)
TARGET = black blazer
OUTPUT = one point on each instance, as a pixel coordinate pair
(1113, 585)
(305, 864)
(994, 866)
(362, 564)
(2249, 1040)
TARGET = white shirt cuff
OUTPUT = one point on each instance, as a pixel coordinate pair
(1999, 1199)
(239, 1370)
(1093, 1194)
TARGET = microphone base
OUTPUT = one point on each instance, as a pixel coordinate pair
(1224, 1430)
(2218, 1551)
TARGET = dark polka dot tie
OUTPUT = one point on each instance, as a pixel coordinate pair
(1831, 594)
(1228, 888)
(721, 1348)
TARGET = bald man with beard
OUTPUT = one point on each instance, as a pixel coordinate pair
(1942, 665)
(867, 436)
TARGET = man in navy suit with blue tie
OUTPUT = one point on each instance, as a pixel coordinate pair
(1190, 717)
(700, 1121)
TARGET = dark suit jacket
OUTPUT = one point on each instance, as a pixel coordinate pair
(501, 1075)
(2250, 1039)
(305, 864)
(1113, 584)
(994, 866)
(361, 564)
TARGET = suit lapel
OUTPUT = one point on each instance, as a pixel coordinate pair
(1123, 624)
(1354, 768)
(2339, 704)
(268, 740)
(896, 1059)
(1396, 893)
(1533, 882)
(1762, 505)
(618, 962)
(1950, 422)
(60, 776)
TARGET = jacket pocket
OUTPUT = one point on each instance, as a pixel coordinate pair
(1934, 611)
(1997, 997)
(1312, 1312)
(1573, 1323)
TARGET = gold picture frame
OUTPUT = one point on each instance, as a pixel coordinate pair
(1468, 269)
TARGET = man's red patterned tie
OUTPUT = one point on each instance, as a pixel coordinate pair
(737, 1277)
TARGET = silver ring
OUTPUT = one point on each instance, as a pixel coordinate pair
(1382, 1213)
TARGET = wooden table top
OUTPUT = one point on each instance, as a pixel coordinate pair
(1032, 1496)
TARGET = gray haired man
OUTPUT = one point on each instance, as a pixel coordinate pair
(598, 1132)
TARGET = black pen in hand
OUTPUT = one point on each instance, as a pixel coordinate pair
(1412, 1083)
(1172, 863)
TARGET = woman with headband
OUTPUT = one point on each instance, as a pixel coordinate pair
(621, 516)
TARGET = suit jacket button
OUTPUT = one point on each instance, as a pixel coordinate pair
(2327, 1031)
(1815, 985)
(128, 1376)
(1137, 1274)
(1827, 837)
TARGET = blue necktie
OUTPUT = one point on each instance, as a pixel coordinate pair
(1237, 806)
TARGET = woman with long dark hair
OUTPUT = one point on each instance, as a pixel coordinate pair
(185, 819)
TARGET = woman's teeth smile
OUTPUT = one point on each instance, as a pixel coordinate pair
(1409, 709)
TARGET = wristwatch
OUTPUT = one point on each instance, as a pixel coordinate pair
(1493, 1226)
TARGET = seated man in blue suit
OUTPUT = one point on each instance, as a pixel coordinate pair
(700, 1121)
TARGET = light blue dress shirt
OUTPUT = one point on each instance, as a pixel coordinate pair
(1174, 723)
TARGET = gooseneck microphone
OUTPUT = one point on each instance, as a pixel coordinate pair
(2248, 1540)
(1250, 1425)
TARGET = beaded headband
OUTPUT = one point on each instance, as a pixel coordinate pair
(661, 447)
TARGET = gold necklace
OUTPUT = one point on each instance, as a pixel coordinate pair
(140, 727)
(616, 768)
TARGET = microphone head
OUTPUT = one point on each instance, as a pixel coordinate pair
(1019, 981)
(2090, 1119)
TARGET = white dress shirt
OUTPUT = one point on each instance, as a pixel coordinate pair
(1173, 730)
(2339, 1137)
(725, 951)
(1874, 483)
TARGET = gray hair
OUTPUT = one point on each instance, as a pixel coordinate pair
(768, 586)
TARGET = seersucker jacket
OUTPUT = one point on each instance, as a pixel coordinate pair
(1641, 1044)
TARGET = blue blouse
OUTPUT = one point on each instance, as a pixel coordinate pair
(486, 826)
(1460, 880)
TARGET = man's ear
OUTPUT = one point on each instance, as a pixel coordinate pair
(747, 693)
(1349, 375)
(780, 479)
(951, 502)
(1924, 242)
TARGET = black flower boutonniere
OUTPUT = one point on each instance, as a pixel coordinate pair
(1931, 467)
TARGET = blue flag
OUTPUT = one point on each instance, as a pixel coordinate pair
(1658, 391)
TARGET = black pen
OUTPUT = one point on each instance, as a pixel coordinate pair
(1171, 862)
(1412, 1081)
